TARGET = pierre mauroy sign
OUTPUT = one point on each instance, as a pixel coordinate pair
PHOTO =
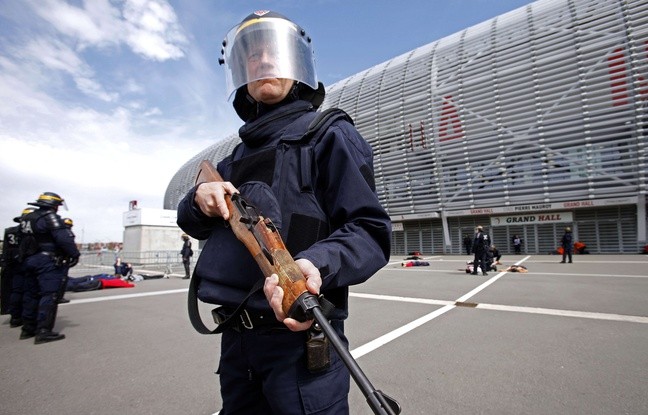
(534, 218)
(532, 209)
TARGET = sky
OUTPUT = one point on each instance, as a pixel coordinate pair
(102, 101)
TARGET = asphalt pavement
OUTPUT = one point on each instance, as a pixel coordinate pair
(559, 339)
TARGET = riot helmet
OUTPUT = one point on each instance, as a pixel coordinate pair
(25, 212)
(68, 222)
(267, 45)
(49, 200)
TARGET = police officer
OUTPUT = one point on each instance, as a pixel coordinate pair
(567, 243)
(334, 227)
(61, 294)
(481, 243)
(186, 252)
(48, 249)
(12, 281)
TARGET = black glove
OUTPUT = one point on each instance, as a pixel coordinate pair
(73, 261)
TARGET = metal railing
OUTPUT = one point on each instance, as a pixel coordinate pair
(146, 262)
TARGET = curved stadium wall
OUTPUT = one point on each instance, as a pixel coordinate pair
(537, 107)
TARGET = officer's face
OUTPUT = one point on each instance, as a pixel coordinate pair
(261, 64)
(270, 91)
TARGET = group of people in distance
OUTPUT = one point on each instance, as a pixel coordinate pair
(37, 255)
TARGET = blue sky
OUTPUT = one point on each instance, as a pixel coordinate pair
(102, 101)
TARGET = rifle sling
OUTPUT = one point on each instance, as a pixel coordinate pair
(194, 313)
(197, 323)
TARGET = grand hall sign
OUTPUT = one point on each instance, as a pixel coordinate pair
(534, 218)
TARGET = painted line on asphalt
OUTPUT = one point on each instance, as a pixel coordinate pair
(515, 309)
(566, 313)
(562, 274)
(124, 296)
(458, 302)
(557, 274)
(401, 299)
(394, 334)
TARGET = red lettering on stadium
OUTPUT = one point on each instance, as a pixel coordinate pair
(450, 124)
(577, 204)
(618, 84)
(480, 211)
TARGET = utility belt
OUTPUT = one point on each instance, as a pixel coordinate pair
(246, 319)
(59, 260)
(318, 350)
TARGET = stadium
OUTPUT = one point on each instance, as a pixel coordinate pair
(525, 124)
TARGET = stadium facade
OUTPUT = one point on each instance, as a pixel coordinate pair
(527, 123)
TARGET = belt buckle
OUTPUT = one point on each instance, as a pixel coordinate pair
(246, 321)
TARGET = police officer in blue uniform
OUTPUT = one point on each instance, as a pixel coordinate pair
(567, 243)
(12, 280)
(321, 197)
(47, 249)
(186, 252)
(481, 244)
(61, 294)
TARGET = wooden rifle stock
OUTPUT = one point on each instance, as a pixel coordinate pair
(262, 239)
(264, 242)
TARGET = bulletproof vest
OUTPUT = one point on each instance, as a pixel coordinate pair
(33, 241)
(482, 242)
(279, 181)
(289, 170)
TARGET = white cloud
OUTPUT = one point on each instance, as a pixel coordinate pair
(97, 24)
(92, 88)
(95, 162)
(76, 119)
(55, 55)
(148, 27)
(153, 30)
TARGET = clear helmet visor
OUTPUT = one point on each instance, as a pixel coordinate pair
(267, 47)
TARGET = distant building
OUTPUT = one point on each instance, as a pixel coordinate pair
(150, 232)
(526, 123)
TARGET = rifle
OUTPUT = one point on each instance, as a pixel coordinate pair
(263, 241)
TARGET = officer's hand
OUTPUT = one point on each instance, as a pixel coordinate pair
(274, 293)
(210, 198)
(73, 261)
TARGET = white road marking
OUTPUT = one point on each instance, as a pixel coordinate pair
(557, 274)
(565, 313)
(123, 296)
(394, 334)
(449, 305)
(401, 299)
(514, 309)
(446, 306)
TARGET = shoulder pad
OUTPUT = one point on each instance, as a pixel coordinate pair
(54, 221)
